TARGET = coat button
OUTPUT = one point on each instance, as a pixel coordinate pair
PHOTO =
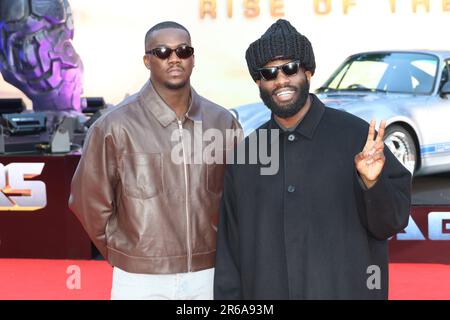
(291, 189)
(291, 137)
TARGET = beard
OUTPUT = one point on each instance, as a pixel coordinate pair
(286, 111)
(175, 86)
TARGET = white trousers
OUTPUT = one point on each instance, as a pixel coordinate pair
(181, 286)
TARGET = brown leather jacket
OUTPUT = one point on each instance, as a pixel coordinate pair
(143, 211)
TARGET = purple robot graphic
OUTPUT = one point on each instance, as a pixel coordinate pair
(36, 53)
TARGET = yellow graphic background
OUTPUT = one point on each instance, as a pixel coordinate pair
(109, 37)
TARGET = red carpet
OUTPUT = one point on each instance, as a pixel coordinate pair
(419, 281)
(48, 279)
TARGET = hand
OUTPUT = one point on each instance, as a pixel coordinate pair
(370, 161)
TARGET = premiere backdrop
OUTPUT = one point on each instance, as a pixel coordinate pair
(109, 37)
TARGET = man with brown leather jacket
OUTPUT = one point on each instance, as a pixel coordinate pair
(152, 216)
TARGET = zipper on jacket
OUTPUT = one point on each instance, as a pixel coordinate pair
(188, 233)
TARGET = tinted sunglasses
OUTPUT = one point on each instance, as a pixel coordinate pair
(271, 73)
(183, 52)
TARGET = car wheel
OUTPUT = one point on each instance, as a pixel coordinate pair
(402, 145)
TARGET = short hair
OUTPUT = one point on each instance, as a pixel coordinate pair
(165, 25)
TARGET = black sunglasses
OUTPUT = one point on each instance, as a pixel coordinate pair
(271, 73)
(183, 52)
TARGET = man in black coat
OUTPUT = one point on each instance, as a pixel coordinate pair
(318, 227)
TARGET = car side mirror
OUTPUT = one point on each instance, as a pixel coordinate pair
(445, 90)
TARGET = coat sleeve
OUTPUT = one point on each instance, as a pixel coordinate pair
(93, 184)
(385, 208)
(227, 284)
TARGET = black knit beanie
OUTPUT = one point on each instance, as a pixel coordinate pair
(280, 41)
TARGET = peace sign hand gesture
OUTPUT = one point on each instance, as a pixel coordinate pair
(370, 161)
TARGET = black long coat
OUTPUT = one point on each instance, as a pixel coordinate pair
(311, 231)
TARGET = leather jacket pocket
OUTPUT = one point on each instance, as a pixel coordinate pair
(142, 174)
(214, 178)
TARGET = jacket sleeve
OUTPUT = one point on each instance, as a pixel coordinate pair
(238, 135)
(385, 208)
(92, 188)
(227, 285)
